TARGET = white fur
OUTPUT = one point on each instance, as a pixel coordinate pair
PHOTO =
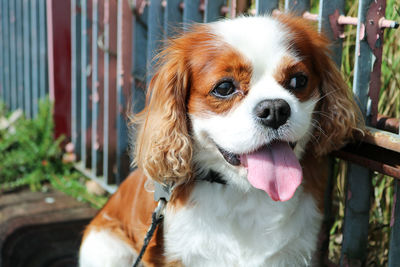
(103, 248)
(224, 226)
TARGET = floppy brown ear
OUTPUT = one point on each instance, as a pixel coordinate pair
(163, 147)
(336, 116)
(336, 112)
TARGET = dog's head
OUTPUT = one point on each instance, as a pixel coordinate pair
(247, 98)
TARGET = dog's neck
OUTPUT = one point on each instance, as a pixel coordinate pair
(213, 177)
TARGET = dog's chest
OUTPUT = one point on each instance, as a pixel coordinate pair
(221, 226)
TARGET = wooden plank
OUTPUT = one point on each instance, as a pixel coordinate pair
(355, 228)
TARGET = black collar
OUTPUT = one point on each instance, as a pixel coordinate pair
(213, 177)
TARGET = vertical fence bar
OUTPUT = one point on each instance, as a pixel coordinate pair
(120, 99)
(1, 53)
(327, 8)
(394, 247)
(106, 88)
(123, 86)
(112, 92)
(43, 87)
(34, 55)
(139, 59)
(298, 7)
(172, 17)
(13, 54)
(155, 34)
(265, 6)
(27, 59)
(6, 47)
(83, 89)
(95, 93)
(75, 77)
(191, 12)
(355, 228)
(329, 11)
(20, 56)
(212, 11)
(20, 62)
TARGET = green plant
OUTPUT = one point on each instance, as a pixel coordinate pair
(29, 154)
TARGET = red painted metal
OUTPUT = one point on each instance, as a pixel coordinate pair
(126, 79)
(376, 150)
(59, 58)
(112, 99)
(376, 12)
(388, 124)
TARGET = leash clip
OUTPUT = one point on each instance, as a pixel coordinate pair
(162, 191)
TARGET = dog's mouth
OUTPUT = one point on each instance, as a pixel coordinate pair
(234, 159)
(273, 168)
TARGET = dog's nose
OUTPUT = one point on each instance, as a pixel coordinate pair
(272, 112)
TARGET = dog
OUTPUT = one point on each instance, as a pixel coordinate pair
(240, 117)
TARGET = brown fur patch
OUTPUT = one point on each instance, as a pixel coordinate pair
(315, 178)
(288, 67)
(225, 64)
(128, 215)
(336, 112)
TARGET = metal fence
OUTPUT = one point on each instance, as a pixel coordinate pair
(113, 43)
(23, 54)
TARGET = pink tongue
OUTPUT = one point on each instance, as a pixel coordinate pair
(274, 169)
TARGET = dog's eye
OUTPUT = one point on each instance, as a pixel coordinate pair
(224, 89)
(297, 82)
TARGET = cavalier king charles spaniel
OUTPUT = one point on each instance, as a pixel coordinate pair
(240, 117)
